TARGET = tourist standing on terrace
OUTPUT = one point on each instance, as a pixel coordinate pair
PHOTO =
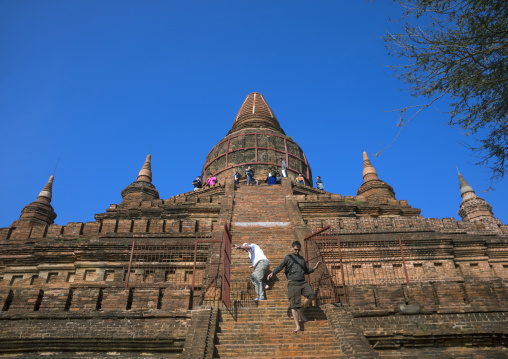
(197, 183)
(319, 183)
(300, 179)
(283, 168)
(211, 180)
(272, 176)
(237, 177)
(249, 172)
(260, 264)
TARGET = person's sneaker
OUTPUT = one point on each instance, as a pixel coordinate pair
(267, 287)
(257, 299)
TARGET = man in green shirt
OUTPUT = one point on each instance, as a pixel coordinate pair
(295, 269)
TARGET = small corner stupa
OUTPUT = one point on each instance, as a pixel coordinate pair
(142, 189)
(40, 212)
(474, 208)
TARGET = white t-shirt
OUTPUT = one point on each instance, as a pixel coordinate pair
(256, 254)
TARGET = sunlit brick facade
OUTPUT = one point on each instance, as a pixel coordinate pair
(146, 278)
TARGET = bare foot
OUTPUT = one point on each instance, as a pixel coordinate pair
(296, 330)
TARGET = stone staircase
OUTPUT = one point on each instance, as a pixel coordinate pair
(264, 329)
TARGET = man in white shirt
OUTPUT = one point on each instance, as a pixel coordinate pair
(260, 264)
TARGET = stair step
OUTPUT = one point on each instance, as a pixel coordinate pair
(261, 330)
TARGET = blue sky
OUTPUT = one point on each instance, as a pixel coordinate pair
(97, 83)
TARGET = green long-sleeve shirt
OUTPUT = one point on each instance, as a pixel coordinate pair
(296, 268)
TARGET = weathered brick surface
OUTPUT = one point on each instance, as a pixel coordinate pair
(109, 226)
(97, 335)
(5, 233)
(84, 299)
(450, 294)
(24, 300)
(189, 226)
(140, 225)
(362, 297)
(156, 225)
(437, 330)
(73, 230)
(422, 294)
(75, 275)
(173, 225)
(175, 300)
(114, 299)
(391, 296)
(125, 225)
(54, 230)
(145, 299)
(91, 228)
(54, 300)
(199, 341)
(39, 232)
(21, 233)
(352, 341)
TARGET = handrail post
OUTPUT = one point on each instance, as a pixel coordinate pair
(342, 272)
(130, 263)
(226, 267)
(403, 260)
(191, 303)
(307, 258)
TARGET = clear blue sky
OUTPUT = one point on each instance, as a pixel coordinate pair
(96, 83)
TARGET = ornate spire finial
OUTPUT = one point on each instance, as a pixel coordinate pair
(40, 212)
(255, 113)
(142, 189)
(464, 186)
(473, 208)
(146, 171)
(369, 172)
(372, 186)
(47, 192)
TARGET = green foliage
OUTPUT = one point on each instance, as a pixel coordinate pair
(458, 51)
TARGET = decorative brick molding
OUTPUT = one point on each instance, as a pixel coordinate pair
(353, 342)
(199, 341)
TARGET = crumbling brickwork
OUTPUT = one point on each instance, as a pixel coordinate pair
(135, 281)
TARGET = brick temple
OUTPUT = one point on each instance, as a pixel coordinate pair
(156, 278)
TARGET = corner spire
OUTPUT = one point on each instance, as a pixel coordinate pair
(47, 192)
(473, 208)
(369, 172)
(372, 187)
(464, 186)
(146, 171)
(40, 212)
(255, 113)
(142, 189)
